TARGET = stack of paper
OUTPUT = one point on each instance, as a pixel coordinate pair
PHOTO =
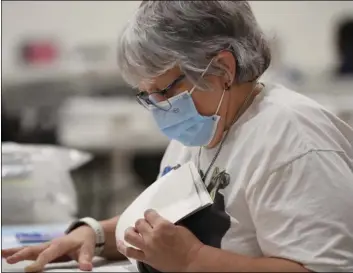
(174, 196)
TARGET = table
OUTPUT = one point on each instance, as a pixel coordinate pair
(8, 240)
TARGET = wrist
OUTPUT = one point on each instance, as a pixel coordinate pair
(97, 229)
(195, 258)
(110, 251)
(108, 226)
(84, 229)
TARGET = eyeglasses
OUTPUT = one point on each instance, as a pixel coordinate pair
(158, 99)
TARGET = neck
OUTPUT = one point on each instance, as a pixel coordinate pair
(235, 98)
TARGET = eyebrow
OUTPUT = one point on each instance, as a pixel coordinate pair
(173, 83)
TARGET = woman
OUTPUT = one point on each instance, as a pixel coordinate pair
(278, 165)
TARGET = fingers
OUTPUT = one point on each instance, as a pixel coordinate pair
(10, 251)
(133, 238)
(130, 252)
(64, 258)
(152, 217)
(85, 256)
(55, 250)
(143, 227)
(26, 253)
(73, 256)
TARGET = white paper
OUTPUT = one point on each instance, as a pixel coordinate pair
(174, 196)
(110, 267)
(100, 265)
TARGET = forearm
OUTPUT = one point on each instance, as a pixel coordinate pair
(216, 260)
(110, 251)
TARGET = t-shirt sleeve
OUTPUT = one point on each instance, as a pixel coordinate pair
(304, 212)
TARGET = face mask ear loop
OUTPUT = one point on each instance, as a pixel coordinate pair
(203, 74)
(220, 102)
(192, 90)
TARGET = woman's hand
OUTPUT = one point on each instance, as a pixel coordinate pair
(160, 244)
(79, 245)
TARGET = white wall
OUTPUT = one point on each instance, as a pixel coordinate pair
(72, 22)
(306, 28)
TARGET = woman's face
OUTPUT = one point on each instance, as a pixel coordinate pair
(206, 102)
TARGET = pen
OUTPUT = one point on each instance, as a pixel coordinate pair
(36, 237)
(169, 168)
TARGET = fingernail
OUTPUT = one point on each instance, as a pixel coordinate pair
(86, 266)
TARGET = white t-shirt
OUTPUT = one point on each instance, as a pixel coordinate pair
(290, 188)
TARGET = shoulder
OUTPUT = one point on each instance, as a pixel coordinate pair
(282, 110)
(286, 125)
(280, 127)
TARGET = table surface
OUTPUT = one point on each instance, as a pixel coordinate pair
(8, 233)
(8, 240)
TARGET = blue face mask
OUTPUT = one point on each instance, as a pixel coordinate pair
(183, 123)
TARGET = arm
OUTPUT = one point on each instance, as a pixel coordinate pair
(210, 259)
(302, 213)
(110, 251)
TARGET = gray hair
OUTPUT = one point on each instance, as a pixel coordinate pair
(163, 34)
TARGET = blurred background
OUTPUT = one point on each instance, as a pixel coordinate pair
(60, 86)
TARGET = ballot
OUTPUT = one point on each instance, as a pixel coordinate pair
(99, 265)
(175, 196)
